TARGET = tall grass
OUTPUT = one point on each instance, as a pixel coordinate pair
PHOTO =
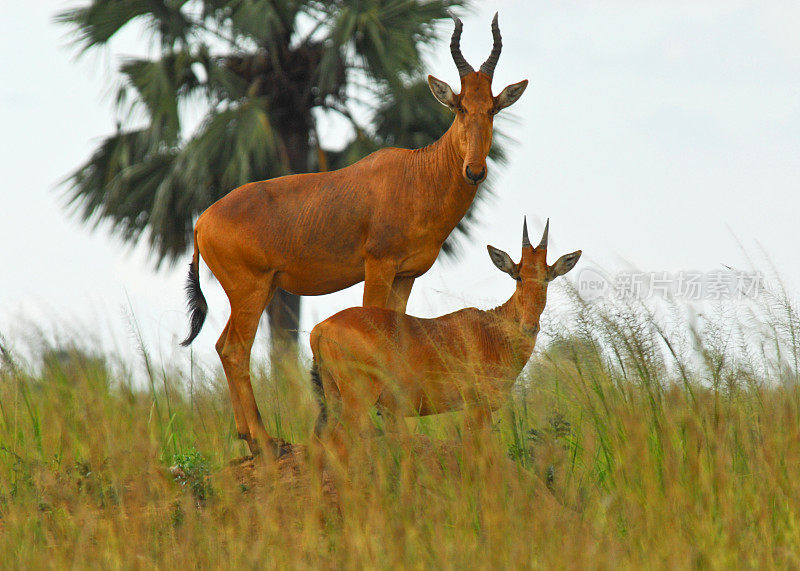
(636, 437)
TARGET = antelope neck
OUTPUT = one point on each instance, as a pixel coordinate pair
(514, 342)
(444, 188)
(516, 312)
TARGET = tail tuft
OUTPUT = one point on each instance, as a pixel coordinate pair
(319, 391)
(196, 302)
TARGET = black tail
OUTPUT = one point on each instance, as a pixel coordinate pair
(319, 391)
(197, 301)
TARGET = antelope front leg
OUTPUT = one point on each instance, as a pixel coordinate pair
(477, 416)
(393, 424)
(401, 289)
(476, 435)
(378, 279)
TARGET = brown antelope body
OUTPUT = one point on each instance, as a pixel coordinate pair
(408, 366)
(381, 220)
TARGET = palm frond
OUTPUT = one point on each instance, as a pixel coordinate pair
(234, 146)
(117, 184)
(98, 22)
(388, 35)
(160, 85)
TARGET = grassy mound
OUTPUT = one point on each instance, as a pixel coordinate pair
(635, 438)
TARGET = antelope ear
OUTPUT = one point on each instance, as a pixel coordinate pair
(510, 95)
(564, 264)
(503, 262)
(443, 93)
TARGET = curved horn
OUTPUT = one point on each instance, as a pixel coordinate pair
(543, 243)
(455, 49)
(525, 240)
(490, 63)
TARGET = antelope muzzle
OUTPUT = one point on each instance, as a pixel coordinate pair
(475, 173)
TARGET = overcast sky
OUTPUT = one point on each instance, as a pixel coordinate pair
(655, 135)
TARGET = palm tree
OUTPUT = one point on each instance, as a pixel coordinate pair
(264, 71)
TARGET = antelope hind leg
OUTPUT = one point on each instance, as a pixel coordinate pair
(246, 310)
(242, 428)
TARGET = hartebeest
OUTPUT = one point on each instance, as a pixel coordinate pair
(382, 220)
(408, 366)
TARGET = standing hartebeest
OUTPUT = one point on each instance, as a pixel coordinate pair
(409, 366)
(382, 220)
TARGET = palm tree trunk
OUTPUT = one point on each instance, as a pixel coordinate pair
(283, 312)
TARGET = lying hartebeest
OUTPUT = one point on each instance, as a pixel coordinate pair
(382, 220)
(408, 366)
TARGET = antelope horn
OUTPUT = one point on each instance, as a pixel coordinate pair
(489, 65)
(525, 240)
(455, 49)
(543, 243)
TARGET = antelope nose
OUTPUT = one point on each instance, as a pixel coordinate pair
(475, 178)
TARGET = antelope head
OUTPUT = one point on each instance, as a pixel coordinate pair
(475, 106)
(533, 276)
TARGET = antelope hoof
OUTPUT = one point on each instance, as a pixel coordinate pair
(277, 447)
(255, 449)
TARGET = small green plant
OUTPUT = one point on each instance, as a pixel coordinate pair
(191, 470)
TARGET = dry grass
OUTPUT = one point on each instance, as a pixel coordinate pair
(634, 440)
